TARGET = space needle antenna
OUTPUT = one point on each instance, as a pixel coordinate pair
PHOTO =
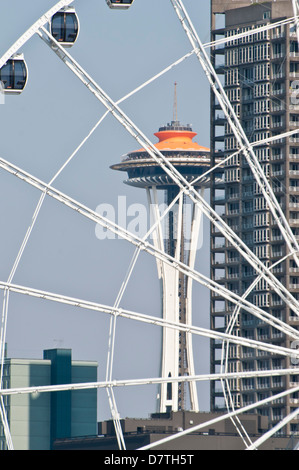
(175, 105)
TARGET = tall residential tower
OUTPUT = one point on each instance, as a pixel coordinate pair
(258, 73)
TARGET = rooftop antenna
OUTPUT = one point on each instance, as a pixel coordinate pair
(175, 106)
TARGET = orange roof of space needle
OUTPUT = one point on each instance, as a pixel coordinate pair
(178, 140)
(175, 139)
(175, 136)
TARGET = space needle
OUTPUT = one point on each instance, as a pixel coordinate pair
(178, 237)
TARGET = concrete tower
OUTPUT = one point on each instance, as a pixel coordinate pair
(177, 237)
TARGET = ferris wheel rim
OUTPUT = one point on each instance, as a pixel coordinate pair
(31, 32)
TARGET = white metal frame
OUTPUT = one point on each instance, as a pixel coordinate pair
(163, 260)
(176, 176)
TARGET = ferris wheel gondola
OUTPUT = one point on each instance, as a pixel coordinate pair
(64, 26)
(14, 75)
(120, 4)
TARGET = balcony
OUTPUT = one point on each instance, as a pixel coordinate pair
(263, 337)
(294, 401)
(278, 91)
(278, 384)
(276, 336)
(278, 75)
(280, 107)
(217, 246)
(278, 55)
(233, 275)
(279, 253)
(278, 417)
(278, 35)
(277, 124)
(279, 156)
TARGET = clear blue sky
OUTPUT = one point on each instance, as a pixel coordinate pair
(39, 131)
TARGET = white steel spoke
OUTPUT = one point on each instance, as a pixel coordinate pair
(274, 430)
(156, 249)
(237, 129)
(266, 317)
(176, 176)
(259, 345)
(239, 411)
(33, 29)
(147, 381)
(234, 419)
(240, 136)
(170, 170)
(296, 14)
(39, 205)
(4, 421)
(123, 233)
(252, 32)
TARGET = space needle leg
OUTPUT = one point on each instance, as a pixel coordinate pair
(196, 227)
(169, 276)
(157, 234)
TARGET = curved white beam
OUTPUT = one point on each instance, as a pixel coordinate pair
(232, 414)
(252, 32)
(271, 348)
(44, 19)
(144, 245)
(212, 216)
(145, 381)
(237, 129)
(24, 38)
(176, 176)
(275, 429)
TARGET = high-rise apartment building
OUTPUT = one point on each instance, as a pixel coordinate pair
(259, 74)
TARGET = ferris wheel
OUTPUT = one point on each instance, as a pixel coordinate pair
(59, 29)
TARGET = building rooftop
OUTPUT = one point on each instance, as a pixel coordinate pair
(179, 137)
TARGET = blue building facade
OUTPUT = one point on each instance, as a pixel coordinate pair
(37, 420)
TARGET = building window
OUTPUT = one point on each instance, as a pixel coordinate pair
(261, 300)
(261, 219)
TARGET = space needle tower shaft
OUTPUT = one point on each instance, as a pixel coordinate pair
(177, 235)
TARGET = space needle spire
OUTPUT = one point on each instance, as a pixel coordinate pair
(175, 104)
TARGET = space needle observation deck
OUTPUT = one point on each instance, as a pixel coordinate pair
(175, 143)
